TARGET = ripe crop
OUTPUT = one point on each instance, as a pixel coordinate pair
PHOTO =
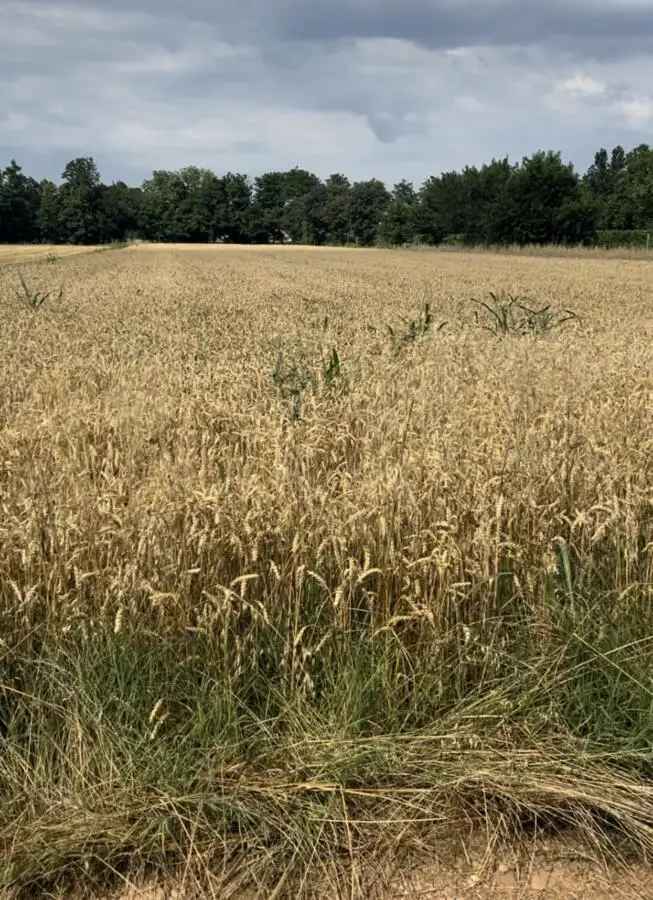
(294, 552)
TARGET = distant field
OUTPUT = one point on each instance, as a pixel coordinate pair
(31, 253)
(312, 559)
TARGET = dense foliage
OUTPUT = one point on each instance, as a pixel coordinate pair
(539, 200)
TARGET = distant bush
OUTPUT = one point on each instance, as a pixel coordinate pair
(455, 240)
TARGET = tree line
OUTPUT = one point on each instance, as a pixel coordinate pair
(539, 200)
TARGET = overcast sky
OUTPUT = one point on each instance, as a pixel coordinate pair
(385, 88)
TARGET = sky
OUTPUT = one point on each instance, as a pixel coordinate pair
(371, 88)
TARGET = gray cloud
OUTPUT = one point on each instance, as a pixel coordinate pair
(599, 26)
(369, 88)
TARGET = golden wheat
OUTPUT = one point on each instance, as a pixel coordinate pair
(149, 461)
(14, 254)
(262, 516)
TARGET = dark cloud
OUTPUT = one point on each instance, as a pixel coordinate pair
(362, 86)
(605, 25)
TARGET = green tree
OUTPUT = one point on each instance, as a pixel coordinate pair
(19, 205)
(337, 210)
(79, 195)
(304, 217)
(629, 203)
(533, 198)
(49, 213)
(441, 209)
(639, 185)
(229, 199)
(274, 193)
(600, 175)
(617, 159)
(163, 195)
(369, 201)
(269, 203)
(119, 211)
(578, 219)
(485, 201)
(399, 223)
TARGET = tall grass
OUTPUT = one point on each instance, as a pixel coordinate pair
(258, 648)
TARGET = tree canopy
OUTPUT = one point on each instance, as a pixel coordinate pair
(540, 199)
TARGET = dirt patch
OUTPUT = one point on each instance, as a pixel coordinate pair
(545, 870)
(549, 872)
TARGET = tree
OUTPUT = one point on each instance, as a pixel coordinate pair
(119, 211)
(230, 200)
(337, 209)
(600, 175)
(399, 223)
(269, 202)
(533, 198)
(486, 201)
(539, 200)
(163, 195)
(441, 208)
(304, 217)
(19, 204)
(617, 160)
(274, 192)
(639, 185)
(629, 203)
(49, 213)
(196, 211)
(577, 220)
(369, 200)
(79, 215)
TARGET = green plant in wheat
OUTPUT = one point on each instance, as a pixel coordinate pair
(415, 329)
(333, 379)
(51, 259)
(34, 299)
(332, 371)
(292, 379)
(504, 314)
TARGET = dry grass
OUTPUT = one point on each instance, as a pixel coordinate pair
(261, 610)
(551, 251)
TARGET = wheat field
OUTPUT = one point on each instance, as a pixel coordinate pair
(24, 253)
(303, 560)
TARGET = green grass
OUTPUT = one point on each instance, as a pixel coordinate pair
(389, 737)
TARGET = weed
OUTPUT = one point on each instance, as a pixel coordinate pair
(416, 329)
(35, 299)
(332, 369)
(293, 379)
(507, 314)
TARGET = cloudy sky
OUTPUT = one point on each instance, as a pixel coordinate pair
(386, 88)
